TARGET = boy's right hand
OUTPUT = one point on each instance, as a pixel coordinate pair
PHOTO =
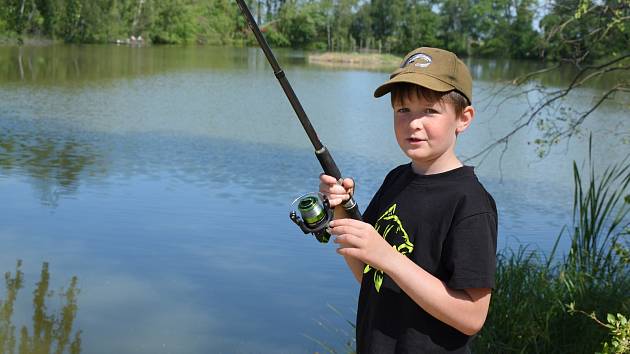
(335, 192)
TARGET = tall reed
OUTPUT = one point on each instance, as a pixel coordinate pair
(600, 211)
(531, 307)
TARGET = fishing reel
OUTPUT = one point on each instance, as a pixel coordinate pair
(315, 215)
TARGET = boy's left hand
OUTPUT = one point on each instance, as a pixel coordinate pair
(360, 240)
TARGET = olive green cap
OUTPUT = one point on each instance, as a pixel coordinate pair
(436, 69)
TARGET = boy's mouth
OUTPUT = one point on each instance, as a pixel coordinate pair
(415, 140)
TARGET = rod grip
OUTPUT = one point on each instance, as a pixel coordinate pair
(327, 162)
(331, 169)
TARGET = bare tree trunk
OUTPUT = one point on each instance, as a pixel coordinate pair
(135, 18)
(328, 35)
(30, 15)
(20, 18)
(258, 12)
(22, 8)
(269, 11)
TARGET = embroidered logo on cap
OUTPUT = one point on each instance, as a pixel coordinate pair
(421, 60)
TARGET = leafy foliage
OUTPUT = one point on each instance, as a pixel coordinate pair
(620, 332)
(497, 28)
(579, 29)
(618, 327)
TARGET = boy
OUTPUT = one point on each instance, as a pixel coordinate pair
(425, 255)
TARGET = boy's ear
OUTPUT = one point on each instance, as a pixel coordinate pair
(467, 116)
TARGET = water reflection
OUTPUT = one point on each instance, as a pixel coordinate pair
(55, 165)
(51, 332)
(503, 70)
(62, 65)
(71, 64)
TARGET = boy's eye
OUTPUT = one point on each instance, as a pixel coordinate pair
(429, 111)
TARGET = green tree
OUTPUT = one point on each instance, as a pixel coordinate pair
(70, 20)
(420, 27)
(524, 39)
(584, 30)
(457, 23)
(341, 23)
(170, 21)
(93, 26)
(218, 21)
(4, 14)
(47, 10)
(118, 23)
(493, 28)
(302, 24)
(21, 16)
(387, 19)
(361, 26)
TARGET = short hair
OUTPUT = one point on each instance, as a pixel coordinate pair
(453, 97)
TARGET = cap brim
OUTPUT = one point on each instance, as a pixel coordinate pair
(413, 78)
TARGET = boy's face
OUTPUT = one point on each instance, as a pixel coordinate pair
(426, 131)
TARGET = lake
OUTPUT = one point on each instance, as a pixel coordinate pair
(161, 178)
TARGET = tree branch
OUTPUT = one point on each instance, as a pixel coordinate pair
(585, 75)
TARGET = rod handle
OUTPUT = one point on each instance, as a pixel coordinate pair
(331, 169)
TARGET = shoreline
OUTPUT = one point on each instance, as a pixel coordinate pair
(355, 60)
(32, 41)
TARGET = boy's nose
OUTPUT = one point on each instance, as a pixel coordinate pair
(417, 123)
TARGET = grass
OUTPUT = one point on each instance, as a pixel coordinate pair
(372, 61)
(533, 308)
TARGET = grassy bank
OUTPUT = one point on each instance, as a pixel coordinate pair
(542, 305)
(373, 61)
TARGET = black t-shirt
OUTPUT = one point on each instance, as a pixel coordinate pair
(447, 224)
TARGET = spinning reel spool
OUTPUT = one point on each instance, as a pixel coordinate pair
(315, 215)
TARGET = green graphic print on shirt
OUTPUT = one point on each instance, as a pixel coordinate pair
(390, 227)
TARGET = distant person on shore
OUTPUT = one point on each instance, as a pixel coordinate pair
(132, 40)
(425, 254)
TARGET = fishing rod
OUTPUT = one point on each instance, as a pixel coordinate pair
(314, 208)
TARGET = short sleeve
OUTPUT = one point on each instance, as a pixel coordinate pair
(471, 252)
